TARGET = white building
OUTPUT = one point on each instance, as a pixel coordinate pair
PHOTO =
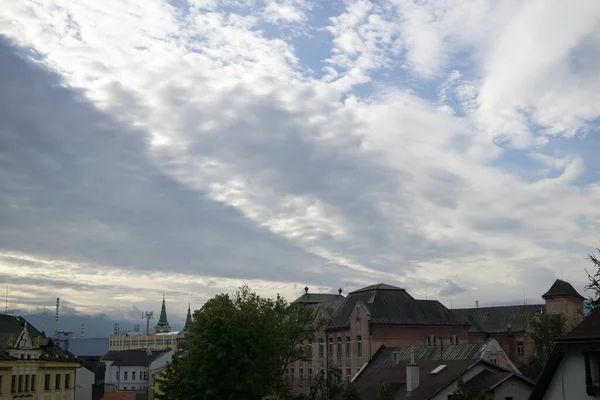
(128, 370)
(573, 368)
(160, 341)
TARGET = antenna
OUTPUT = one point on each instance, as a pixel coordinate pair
(562, 278)
(6, 307)
(56, 318)
(346, 288)
(82, 331)
(148, 315)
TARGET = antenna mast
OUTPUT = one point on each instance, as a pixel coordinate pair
(148, 315)
(56, 318)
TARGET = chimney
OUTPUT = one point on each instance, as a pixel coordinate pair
(476, 303)
(306, 289)
(340, 291)
(412, 373)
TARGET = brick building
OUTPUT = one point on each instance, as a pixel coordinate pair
(357, 325)
(508, 324)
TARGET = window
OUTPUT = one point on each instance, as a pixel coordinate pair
(117, 376)
(145, 375)
(456, 340)
(27, 383)
(125, 375)
(124, 387)
(13, 384)
(32, 383)
(133, 388)
(20, 383)
(330, 348)
(339, 346)
(520, 349)
(359, 346)
(57, 382)
(348, 375)
(494, 361)
(47, 382)
(292, 376)
(309, 376)
(321, 347)
(67, 381)
(301, 376)
(508, 398)
(133, 376)
(348, 347)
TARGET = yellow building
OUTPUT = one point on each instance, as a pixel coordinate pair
(160, 341)
(31, 365)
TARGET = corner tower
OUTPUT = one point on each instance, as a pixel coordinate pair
(562, 298)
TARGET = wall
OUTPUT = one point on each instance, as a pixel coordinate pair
(157, 342)
(111, 382)
(415, 335)
(156, 367)
(39, 369)
(569, 380)
(570, 307)
(515, 388)
(83, 384)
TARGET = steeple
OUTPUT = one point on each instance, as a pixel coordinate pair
(188, 320)
(163, 325)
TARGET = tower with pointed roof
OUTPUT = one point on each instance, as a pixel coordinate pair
(163, 324)
(188, 319)
(562, 298)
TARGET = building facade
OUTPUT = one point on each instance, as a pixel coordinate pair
(161, 341)
(129, 370)
(31, 365)
(509, 324)
(357, 325)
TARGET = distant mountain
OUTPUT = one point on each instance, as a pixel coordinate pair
(99, 325)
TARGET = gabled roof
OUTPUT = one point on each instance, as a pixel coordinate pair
(497, 319)
(391, 305)
(488, 379)
(133, 357)
(561, 288)
(588, 328)
(11, 328)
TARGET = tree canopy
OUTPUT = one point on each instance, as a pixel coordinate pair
(238, 348)
(594, 283)
(544, 329)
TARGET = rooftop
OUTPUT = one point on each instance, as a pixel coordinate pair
(498, 319)
(391, 305)
(133, 357)
(561, 288)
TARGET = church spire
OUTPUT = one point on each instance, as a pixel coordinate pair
(163, 325)
(188, 320)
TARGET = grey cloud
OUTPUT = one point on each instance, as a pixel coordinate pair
(80, 186)
(451, 288)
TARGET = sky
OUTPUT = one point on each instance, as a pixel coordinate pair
(188, 147)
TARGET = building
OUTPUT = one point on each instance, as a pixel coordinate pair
(162, 326)
(129, 370)
(160, 341)
(490, 351)
(32, 365)
(358, 324)
(508, 324)
(430, 379)
(573, 368)
(157, 366)
(89, 381)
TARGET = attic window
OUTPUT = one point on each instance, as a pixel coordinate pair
(439, 369)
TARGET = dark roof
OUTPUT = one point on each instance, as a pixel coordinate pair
(13, 326)
(88, 346)
(317, 298)
(562, 289)
(368, 385)
(379, 286)
(388, 355)
(133, 357)
(588, 328)
(486, 379)
(390, 305)
(497, 319)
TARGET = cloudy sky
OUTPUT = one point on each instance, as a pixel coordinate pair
(189, 146)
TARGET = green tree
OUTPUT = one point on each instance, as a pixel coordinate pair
(543, 330)
(239, 348)
(461, 392)
(385, 393)
(350, 393)
(594, 283)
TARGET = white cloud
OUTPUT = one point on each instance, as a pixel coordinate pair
(392, 185)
